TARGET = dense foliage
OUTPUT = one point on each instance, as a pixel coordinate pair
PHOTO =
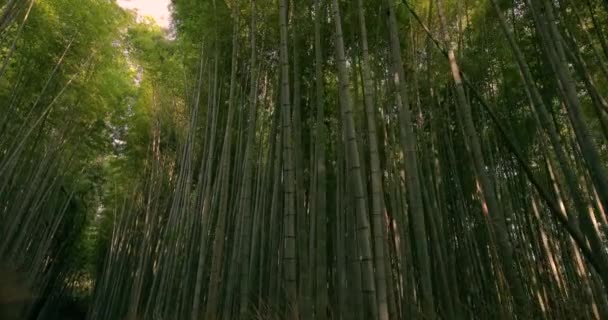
(326, 159)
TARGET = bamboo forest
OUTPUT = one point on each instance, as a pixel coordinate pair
(304, 159)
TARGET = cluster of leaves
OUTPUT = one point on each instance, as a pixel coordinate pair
(67, 63)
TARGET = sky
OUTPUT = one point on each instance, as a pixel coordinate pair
(157, 9)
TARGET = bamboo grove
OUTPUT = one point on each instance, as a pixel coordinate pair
(61, 82)
(321, 159)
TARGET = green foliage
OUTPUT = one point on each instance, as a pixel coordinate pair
(106, 106)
